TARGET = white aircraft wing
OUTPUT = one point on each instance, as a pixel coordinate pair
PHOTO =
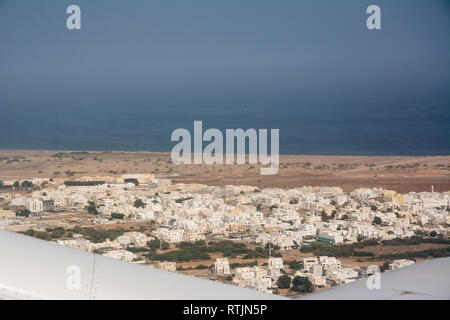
(427, 280)
(36, 269)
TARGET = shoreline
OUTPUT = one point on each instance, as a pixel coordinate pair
(281, 154)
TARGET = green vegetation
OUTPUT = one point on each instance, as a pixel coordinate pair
(91, 208)
(98, 235)
(343, 250)
(284, 282)
(165, 246)
(324, 217)
(363, 254)
(49, 233)
(56, 233)
(137, 249)
(115, 215)
(181, 200)
(233, 249)
(412, 255)
(69, 173)
(37, 234)
(29, 232)
(348, 250)
(414, 240)
(258, 253)
(25, 185)
(154, 244)
(42, 235)
(67, 154)
(377, 220)
(228, 248)
(243, 265)
(329, 250)
(23, 213)
(139, 203)
(295, 265)
(187, 252)
(302, 285)
(384, 266)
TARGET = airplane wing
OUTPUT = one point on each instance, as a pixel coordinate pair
(36, 269)
(427, 280)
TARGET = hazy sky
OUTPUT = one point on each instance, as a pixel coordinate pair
(221, 54)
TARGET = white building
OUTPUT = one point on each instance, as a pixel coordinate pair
(275, 263)
(34, 205)
(146, 215)
(80, 244)
(397, 264)
(134, 238)
(329, 262)
(121, 255)
(309, 262)
(344, 275)
(174, 235)
(222, 267)
(255, 278)
(168, 266)
(332, 237)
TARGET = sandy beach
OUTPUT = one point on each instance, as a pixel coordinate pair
(400, 173)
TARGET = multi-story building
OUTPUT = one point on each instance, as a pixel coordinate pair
(222, 267)
(275, 263)
(121, 255)
(168, 266)
(397, 264)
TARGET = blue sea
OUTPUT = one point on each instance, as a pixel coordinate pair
(387, 123)
(312, 69)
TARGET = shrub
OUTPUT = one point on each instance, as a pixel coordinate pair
(284, 282)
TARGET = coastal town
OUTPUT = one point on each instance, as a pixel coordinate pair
(281, 241)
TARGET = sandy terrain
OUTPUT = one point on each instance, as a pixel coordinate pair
(403, 174)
